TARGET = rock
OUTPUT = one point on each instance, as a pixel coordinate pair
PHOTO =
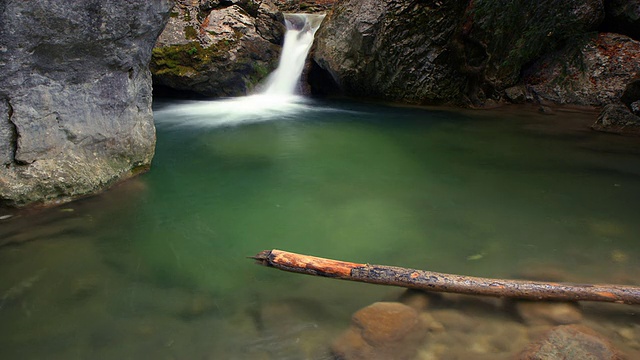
(623, 17)
(594, 73)
(75, 96)
(218, 49)
(383, 330)
(388, 50)
(439, 51)
(617, 118)
(535, 313)
(547, 110)
(516, 94)
(631, 95)
(571, 342)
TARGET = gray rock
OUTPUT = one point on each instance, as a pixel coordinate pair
(75, 96)
(617, 118)
(439, 51)
(388, 50)
(516, 94)
(595, 73)
(218, 49)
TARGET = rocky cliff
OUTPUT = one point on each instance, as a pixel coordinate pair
(75, 95)
(479, 53)
(217, 48)
(441, 51)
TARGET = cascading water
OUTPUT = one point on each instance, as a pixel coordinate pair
(278, 98)
(301, 29)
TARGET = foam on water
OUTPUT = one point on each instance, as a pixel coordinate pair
(232, 111)
(278, 101)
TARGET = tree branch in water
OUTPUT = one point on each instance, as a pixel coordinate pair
(434, 281)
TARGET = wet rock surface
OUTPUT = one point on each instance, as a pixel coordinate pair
(75, 96)
(218, 49)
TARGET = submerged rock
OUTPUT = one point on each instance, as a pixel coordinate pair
(548, 313)
(75, 96)
(384, 330)
(571, 342)
(218, 48)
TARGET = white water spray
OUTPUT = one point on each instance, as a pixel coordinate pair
(301, 29)
(278, 99)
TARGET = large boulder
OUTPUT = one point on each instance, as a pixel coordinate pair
(392, 50)
(75, 95)
(218, 48)
(440, 51)
(594, 72)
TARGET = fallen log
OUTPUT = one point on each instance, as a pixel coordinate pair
(434, 281)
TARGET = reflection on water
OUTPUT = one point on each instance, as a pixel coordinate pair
(157, 268)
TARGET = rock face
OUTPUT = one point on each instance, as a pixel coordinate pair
(218, 48)
(440, 51)
(595, 73)
(391, 50)
(75, 95)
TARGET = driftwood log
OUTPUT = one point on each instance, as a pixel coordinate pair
(433, 281)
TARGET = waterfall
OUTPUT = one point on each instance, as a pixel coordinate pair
(277, 100)
(301, 29)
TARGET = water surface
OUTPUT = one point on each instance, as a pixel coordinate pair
(157, 267)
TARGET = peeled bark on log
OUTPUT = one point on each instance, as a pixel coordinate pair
(433, 281)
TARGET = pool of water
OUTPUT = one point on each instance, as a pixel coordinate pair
(157, 267)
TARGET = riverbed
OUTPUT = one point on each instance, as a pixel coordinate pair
(157, 267)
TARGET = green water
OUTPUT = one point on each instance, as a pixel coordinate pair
(157, 267)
